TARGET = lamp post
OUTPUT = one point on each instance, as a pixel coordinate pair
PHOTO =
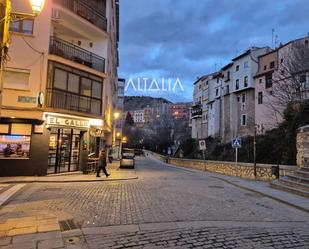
(115, 133)
(37, 6)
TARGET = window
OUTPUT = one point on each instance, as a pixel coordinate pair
(268, 80)
(217, 92)
(265, 67)
(271, 64)
(16, 79)
(60, 79)
(261, 80)
(246, 81)
(227, 89)
(73, 83)
(23, 26)
(237, 68)
(281, 61)
(199, 86)
(306, 42)
(246, 64)
(14, 146)
(260, 98)
(85, 88)
(243, 97)
(244, 120)
(238, 99)
(228, 76)
(237, 85)
(96, 89)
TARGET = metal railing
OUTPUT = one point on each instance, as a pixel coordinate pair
(82, 9)
(74, 53)
(73, 102)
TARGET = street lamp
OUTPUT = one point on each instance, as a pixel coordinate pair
(37, 6)
(116, 115)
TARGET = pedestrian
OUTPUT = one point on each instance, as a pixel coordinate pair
(102, 164)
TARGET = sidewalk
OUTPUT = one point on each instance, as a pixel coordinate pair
(116, 174)
(258, 187)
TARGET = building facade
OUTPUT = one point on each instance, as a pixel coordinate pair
(59, 86)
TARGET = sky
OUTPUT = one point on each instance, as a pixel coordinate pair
(166, 44)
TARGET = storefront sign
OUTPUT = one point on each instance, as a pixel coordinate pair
(27, 99)
(66, 122)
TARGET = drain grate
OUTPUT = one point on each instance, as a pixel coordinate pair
(67, 225)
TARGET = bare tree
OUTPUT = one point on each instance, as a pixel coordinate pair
(290, 80)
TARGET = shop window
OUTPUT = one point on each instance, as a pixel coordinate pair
(60, 80)
(14, 146)
(16, 79)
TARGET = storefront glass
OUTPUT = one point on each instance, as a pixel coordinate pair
(64, 145)
(12, 146)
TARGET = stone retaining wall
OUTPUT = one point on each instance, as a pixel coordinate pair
(243, 170)
(302, 145)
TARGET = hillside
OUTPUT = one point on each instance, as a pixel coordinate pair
(140, 102)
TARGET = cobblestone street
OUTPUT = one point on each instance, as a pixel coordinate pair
(165, 206)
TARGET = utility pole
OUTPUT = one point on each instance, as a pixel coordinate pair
(254, 152)
(5, 16)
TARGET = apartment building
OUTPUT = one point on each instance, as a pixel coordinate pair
(180, 110)
(228, 99)
(199, 128)
(274, 75)
(138, 116)
(59, 86)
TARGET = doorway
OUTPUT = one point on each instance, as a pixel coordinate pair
(64, 147)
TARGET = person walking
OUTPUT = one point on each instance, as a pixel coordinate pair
(102, 164)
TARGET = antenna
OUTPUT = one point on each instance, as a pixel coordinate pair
(276, 40)
(272, 37)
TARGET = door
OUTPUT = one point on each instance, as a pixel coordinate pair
(64, 147)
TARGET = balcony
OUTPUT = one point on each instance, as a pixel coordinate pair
(73, 102)
(82, 9)
(74, 53)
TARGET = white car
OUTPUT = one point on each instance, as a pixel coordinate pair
(127, 159)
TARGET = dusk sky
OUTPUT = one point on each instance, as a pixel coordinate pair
(189, 38)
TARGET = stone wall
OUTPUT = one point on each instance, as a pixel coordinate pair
(243, 170)
(302, 145)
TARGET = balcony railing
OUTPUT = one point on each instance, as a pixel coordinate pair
(72, 102)
(82, 9)
(74, 53)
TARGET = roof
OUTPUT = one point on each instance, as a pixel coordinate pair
(204, 77)
(247, 52)
(227, 66)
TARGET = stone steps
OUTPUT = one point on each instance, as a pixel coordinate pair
(279, 185)
(302, 173)
(296, 183)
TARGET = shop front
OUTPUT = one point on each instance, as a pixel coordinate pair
(71, 137)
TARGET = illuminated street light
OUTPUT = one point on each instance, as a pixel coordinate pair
(37, 6)
(116, 115)
(118, 134)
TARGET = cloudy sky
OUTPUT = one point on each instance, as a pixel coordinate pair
(188, 38)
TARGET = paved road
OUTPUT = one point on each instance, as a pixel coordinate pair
(165, 207)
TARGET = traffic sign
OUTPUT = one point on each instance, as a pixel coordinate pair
(202, 144)
(236, 143)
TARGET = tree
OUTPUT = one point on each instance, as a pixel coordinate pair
(129, 120)
(289, 81)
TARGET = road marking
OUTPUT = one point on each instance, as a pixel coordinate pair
(10, 192)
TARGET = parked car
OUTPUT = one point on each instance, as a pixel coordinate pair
(127, 158)
(138, 152)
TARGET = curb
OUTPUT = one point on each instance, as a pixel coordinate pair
(262, 193)
(68, 181)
